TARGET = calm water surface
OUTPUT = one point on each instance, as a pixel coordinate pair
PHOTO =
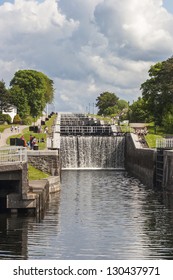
(97, 215)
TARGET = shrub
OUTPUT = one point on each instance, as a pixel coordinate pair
(5, 118)
(167, 122)
(17, 119)
(27, 121)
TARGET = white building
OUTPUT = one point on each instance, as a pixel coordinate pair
(12, 112)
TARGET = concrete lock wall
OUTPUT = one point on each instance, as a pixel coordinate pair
(17, 175)
(140, 162)
(46, 161)
(168, 170)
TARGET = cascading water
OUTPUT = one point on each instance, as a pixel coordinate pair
(92, 152)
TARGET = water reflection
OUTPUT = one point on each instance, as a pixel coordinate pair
(13, 236)
(97, 215)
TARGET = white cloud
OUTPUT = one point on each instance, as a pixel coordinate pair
(86, 46)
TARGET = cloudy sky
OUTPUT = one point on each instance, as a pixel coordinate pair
(86, 46)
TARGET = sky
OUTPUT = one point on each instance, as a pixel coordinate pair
(85, 46)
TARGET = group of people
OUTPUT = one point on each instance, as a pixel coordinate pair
(15, 128)
(31, 143)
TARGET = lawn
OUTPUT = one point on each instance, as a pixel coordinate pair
(4, 126)
(39, 136)
(35, 174)
(26, 133)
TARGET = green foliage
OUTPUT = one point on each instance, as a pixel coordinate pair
(31, 90)
(104, 101)
(19, 99)
(167, 121)
(138, 111)
(111, 111)
(4, 126)
(27, 121)
(122, 104)
(109, 105)
(5, 101)
(5, 118)
(17, 119)
(157, 91)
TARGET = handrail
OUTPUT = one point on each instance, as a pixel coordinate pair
(164, 143)
(13, 155)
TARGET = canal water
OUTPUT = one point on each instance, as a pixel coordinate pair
(97, 215)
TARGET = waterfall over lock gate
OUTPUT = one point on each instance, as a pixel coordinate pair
(89, 152)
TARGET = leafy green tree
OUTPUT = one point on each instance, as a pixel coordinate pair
(19, 99)
(5, 101)
(157, 91)
(167, 120)
(138, 111)
(122, 104)
(111, 111)
(49, 93)
(36, 86)
(5, 118)
(104, 101)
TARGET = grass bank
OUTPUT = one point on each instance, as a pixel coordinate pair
(35, 174)
(41, 137)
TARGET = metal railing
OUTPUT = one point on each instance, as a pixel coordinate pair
(13, 155)
(86, 130)
(164, 143)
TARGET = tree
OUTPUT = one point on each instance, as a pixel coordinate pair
(37, 88)
(104, 101)
(167, 121)
(19, 99)
(157, 91)
(122, 104)
(138, 111)
(5, 101)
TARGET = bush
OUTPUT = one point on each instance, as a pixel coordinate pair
(27, 121)
(167, 122)
(17, 119)
(5, 118)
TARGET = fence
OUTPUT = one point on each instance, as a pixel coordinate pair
(13, 155)
(164, 143)
(86, 130)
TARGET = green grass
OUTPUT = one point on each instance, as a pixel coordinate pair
(4, 126)
(154, 133)
(26, 133)
(50, 122)
(35, 174)
(151, 139)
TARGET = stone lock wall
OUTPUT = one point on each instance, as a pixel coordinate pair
(140, 162)
(16, 174)
(168, 170)
(46, 161)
